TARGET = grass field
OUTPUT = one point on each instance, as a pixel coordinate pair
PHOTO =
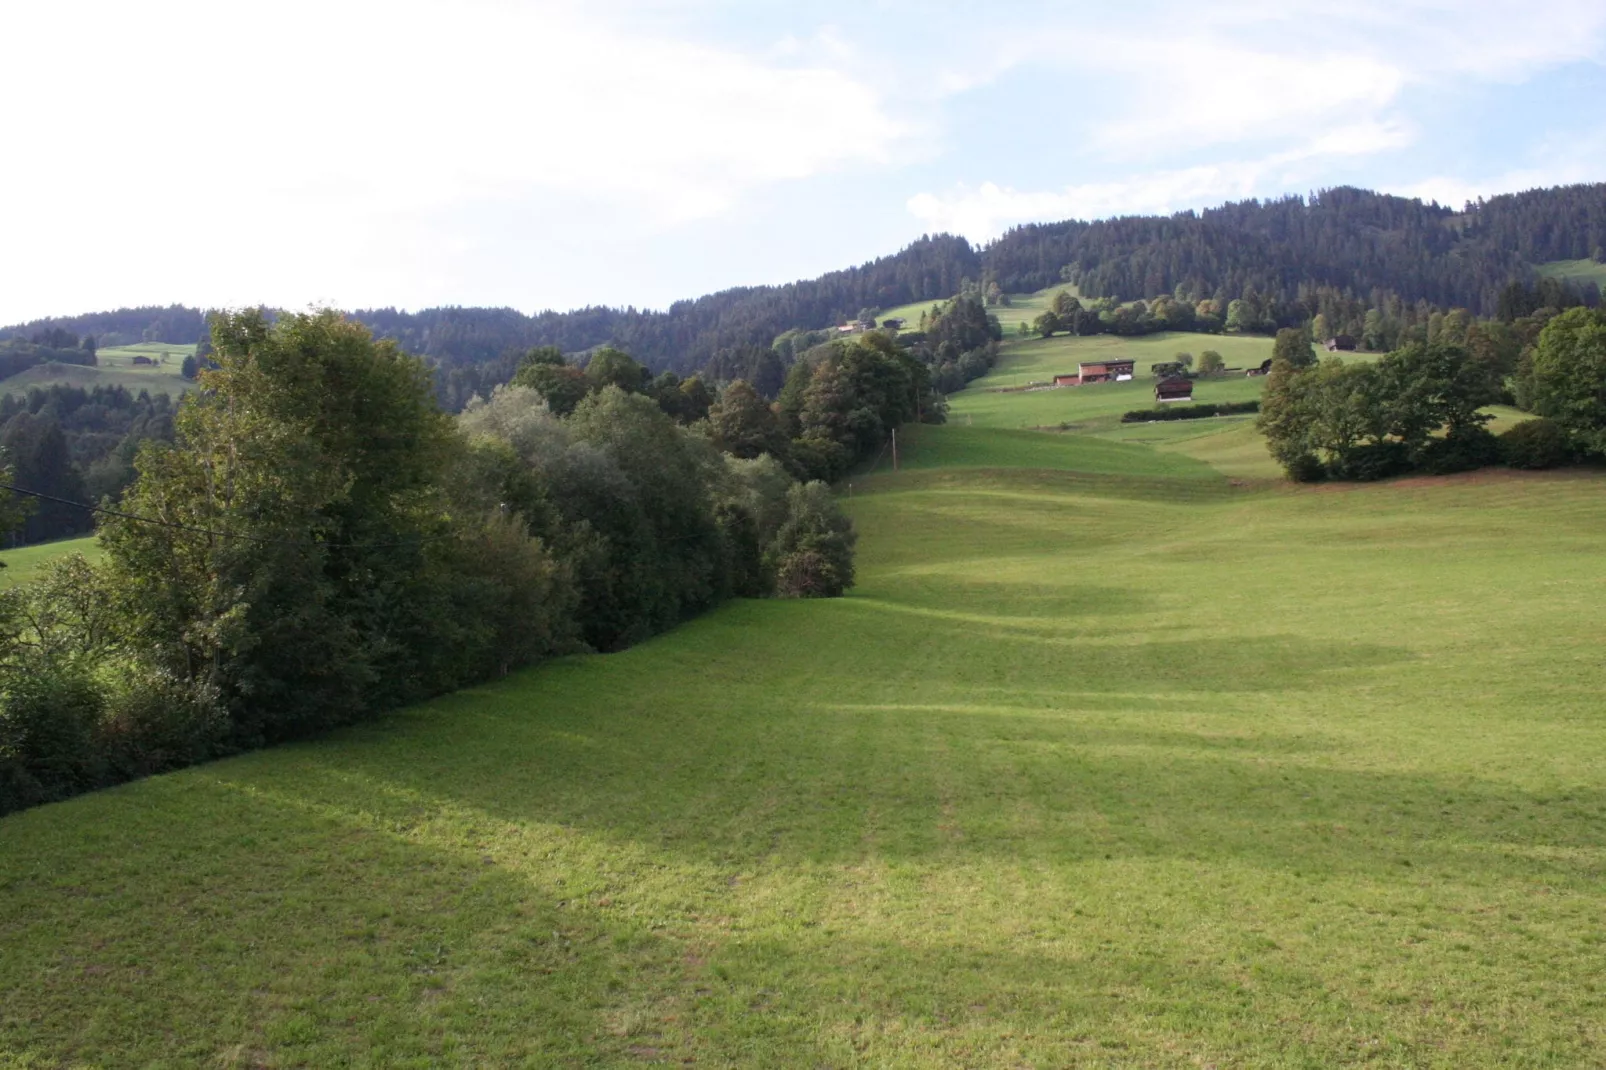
(1023, 308)
(1107, 761)
(1575, 271)
(1097, 406)
(116, 367)
(25, 562)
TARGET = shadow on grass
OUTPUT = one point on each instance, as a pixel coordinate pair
(992, 774)
(328, 930)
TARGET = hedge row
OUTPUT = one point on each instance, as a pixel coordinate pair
(1189, 412)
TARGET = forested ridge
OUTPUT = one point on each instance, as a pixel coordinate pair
(1340, 251)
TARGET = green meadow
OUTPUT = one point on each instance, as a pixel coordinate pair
(1575, 271)
(26, 562)
(115, 367)
(1119, 755)
(996, 401)
(1022, 308)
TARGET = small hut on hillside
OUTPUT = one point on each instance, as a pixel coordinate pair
(1176, 388)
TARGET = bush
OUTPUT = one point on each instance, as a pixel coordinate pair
(1189, 412)
(1536, 444)
(1306, 468)
(1462, 450)
(1373, 461)
(160, 723)
(813, 552)
(809, 574)
(48, 728)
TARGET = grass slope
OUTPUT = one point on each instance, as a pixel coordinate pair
(1096, 406)
(1022, 308)
(26, 562)
(1575, 271)
(1105, 762)
(116, 367)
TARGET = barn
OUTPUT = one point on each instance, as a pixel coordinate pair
(1176, 388)
(1100, 371)
(1067, 380)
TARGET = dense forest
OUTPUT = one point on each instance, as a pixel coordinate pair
(1366, 262)
(77, 444)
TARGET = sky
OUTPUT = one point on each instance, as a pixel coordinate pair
(415, 153)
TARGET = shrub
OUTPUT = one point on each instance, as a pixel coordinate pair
(1535, 444)
(161, 723)
(1306, 468)
(1189, 412)
(48, 733)
(1462, 450)
(1373, 461)
(813, 552)
(808, 574)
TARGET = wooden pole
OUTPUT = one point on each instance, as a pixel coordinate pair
(894, 449)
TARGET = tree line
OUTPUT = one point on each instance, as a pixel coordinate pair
(319, 542)
(1372, 266)
(1418, 407)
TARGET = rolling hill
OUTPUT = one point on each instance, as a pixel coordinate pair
(1355, 246)
(1110, 759)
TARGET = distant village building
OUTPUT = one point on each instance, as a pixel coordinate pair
(1177, 388)
(143, 360)
(1067, 380)
(895, 323)
(1341, 342)
(1265, 366)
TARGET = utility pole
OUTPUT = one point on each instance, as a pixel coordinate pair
(894, 449)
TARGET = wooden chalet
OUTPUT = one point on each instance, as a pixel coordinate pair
(1067, 380)
(1103, 371)
(1340, 343)
(1176, 388)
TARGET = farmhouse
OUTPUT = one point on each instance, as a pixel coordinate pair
(1176, 388)
(1340, 342)
(1100, 371)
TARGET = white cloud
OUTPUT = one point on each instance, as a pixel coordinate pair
(985, 212)
(302, 121)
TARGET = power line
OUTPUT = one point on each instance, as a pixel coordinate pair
(217, 534)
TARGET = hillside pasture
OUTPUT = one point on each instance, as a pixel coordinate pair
(1575, 271)
(1106, 762)
(26, 562)
(115, 367)
(1097, 406)
(1022, 308)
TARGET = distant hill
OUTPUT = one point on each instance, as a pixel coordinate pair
(1342, 247)
(113, 367)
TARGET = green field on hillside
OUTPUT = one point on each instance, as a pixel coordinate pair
(1022, 308)
(1107, 761)
(1097, 406)
(1575, 271)
(25, 562)
(115, 367)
